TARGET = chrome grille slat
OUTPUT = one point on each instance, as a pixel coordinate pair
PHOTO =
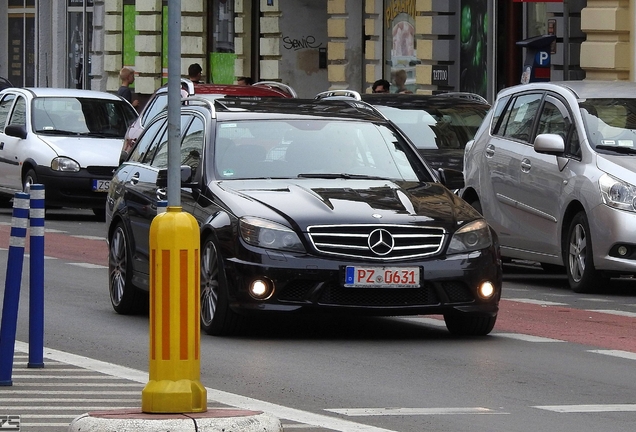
(408, 241)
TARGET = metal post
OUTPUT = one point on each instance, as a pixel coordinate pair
(9, 324)
(36, 277)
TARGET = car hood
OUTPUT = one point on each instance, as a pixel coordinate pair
(86, 151)
(447, 158)
(342, 201)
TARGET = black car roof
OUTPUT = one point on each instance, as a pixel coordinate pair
(295, 108)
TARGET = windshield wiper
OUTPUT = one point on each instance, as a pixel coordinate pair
(56, 132)
(340, 175)
(617, 149)
(101, 134)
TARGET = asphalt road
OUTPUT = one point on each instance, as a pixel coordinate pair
(556, 361)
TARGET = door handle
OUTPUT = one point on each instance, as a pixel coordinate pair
(1, 145)
(490, 150)
(161, 194)
(134, 179)
(526, 165)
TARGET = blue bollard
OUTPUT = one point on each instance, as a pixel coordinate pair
(12, 286)
(36, 277)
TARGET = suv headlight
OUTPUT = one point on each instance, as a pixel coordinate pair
(64, 164)
(270, 235)
(471, 237)
(617, 193)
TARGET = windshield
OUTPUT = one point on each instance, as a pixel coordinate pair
(437, 128)
(103, 118)
(610, 124)
(314, 148)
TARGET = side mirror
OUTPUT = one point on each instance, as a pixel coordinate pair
(186, 177)
(552, 144)
(18, 131)
(452, 179)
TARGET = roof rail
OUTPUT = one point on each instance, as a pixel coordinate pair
(278, 85)
(353, 97)
(341, 93)
(197, 100)
(465, 95)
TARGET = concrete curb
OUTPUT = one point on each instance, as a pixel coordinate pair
(213, 420)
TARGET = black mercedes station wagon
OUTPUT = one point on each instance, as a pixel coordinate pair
(306, 206)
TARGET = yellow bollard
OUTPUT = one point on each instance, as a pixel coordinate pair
(175, 364)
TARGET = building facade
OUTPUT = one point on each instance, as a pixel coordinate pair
(424, 46)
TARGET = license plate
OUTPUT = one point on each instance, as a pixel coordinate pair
(382, 277)
(101, 185)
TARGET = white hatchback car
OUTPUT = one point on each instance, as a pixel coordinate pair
(66, 139)
(553, 170)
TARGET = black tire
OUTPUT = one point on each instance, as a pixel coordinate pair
(29, 178)
(469, 324)
(124, 296)
(216, 316)
(582, 275)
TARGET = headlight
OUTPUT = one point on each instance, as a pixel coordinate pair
(267, 234)
(617, 193)
(64, 164)
(471, 237)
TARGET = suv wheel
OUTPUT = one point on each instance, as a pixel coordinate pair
(469, 324)
(216, 316)
(582, 276)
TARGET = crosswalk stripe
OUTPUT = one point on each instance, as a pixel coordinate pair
(359, 412)
(616, 353)
(589, 408)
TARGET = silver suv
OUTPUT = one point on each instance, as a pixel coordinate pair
(553, 170)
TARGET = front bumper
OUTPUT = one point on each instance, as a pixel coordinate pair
(609, 228)
(304, 283)
(68, 189)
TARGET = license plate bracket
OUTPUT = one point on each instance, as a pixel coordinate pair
(382, 277)
(100, 185)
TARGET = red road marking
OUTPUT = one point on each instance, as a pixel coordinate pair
(568, 324)
(64, 246)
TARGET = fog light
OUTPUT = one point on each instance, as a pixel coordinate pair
(622, 250)
(261, 289)
(486, 290)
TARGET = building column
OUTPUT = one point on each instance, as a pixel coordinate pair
(607, 53)
(270, 55)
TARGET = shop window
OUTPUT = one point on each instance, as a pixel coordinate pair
(79, 34)
(400, 57)
(21, 42)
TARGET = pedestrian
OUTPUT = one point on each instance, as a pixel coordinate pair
(400, 82)
(127, 77)
(381, 86)
(244, 80)
(194, 73)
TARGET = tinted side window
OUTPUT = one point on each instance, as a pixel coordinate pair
(5, 106)
(159, 154)
(498, 109)
(519, 118)
(192, 147)
(158, 104)
(151, 135)
(552, 121)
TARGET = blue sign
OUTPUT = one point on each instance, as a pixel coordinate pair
(542, 58)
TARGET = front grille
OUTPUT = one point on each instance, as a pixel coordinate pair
(397, 241)
(101, 170)
(336, 295)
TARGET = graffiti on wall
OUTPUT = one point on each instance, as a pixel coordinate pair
(305, 42)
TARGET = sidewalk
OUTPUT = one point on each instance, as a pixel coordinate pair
(48, 399)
